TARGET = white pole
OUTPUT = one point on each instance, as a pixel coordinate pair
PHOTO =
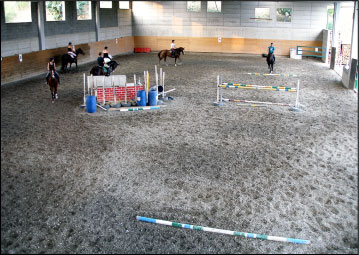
(94, 87)
(163, 85)
(90, 85)
(148, 83)
(217, 88)
(84, 89)
(134, 82)
(161, 76)
(103, 90)
(156, 74)
(156, 79)
(297, 99)
(114, 89)
(125, 93)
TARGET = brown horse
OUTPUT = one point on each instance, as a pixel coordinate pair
(167, 53)
(53, 82)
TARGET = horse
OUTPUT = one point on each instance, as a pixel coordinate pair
(53, 82)
(270, 61)
(66, 58)
(167, 53)
(99, 70)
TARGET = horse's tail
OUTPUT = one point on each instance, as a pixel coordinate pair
(159, 53)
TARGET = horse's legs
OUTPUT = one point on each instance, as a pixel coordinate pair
(175, 61)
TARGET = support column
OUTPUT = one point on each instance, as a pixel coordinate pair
(41, 24)
(332, 58)
(336, 24)
(97, 20)
(354, 45)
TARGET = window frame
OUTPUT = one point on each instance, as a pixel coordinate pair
(119, 5)
(90, 11)
(200, 7)
(17, 22)
(220, 11)
(106, 7)
(63, 12)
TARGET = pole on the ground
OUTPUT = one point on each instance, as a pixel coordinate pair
(297, 99)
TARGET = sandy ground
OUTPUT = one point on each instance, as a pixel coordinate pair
(74, 182)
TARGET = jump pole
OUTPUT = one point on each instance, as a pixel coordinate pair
(255, 102)
(273, 74)
(114, 89)
(297, 99)
(103, 91)
(163, 84)
(84, 91)
(134, 82)
(222, 231)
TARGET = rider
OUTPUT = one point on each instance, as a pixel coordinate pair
(100, 60)
(107, 58)
(70, 50)
(271, 50)
(51, 66)
(173, 48)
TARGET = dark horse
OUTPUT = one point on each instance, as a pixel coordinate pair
(167, 53)
(66, 59)
(99, 70)
(53, 82)
(270, 61)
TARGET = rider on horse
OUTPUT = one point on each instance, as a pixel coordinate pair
(71, 51)
(107, 58)
(173, 48)
(51, 66)
(271, 50)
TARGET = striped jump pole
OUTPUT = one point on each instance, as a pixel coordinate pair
(132, 109)
(262, 87)
(222, 231)
(255, 102)
(253, 105)
(274, 74)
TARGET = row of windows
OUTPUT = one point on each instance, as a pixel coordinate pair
(20, 11)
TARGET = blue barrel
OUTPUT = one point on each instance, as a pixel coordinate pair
(91, 104)
(141, 98)
(152, 97)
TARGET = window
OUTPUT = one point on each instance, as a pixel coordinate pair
(284, 14)
(124, 5)
(214, 6)
(330, 16)
(262, 14)
(106, 4)
(16, 12)
(55, 10)
(194, 6)
(84, 10)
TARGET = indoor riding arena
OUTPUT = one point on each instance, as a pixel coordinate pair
(230, 158)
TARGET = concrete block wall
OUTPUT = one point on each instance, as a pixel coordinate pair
(23, 38)
(20, 38)
(155, 19)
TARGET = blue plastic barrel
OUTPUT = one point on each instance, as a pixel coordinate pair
(152, 97)
(141, 98)
(91, 104)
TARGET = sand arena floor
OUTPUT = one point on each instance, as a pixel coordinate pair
(74, 182)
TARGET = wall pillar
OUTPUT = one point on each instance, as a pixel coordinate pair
(41, 24)
(332, 59)
(97, 16)
(336, 18)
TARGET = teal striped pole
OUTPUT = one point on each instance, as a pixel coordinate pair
(222, 231)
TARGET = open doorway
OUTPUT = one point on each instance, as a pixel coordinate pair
(344, 38)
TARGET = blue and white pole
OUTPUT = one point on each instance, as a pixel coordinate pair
(222, 231)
